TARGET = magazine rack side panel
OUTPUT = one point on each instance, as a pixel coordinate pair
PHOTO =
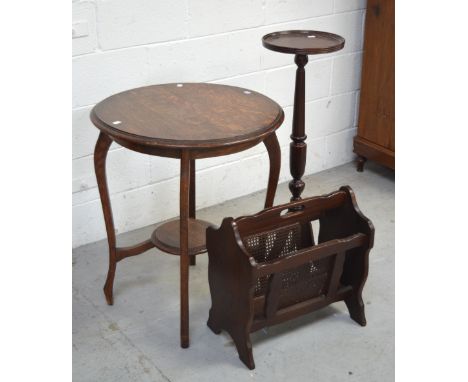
(342, 222)
(231, 288)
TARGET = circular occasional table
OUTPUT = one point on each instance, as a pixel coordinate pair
(301, 43)
(186, 121)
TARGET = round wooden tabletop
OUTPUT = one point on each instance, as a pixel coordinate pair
(187, 116)
(303, 42)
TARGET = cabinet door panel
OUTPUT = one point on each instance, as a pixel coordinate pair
(377, 104)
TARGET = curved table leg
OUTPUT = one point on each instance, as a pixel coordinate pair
(100, 153)
(185, 170)
(274, 153)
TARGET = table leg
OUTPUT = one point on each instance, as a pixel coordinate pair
(192, 203)
(100, 153)
(185, 170)
(298, 147)
(274, 153)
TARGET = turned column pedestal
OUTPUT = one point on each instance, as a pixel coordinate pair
(301, 43)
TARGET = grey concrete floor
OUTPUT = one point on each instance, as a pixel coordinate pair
(137, 339)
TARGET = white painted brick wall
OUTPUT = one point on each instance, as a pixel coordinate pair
(124, 23)
(141, 42)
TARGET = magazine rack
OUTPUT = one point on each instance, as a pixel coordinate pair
(266, 268)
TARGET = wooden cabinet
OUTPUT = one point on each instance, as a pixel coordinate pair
(375, 139)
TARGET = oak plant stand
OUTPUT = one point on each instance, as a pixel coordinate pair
(301, 43)
(187, 121)
(266, 268)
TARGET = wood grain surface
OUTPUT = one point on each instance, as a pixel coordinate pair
(375, 139)
(187, 115)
